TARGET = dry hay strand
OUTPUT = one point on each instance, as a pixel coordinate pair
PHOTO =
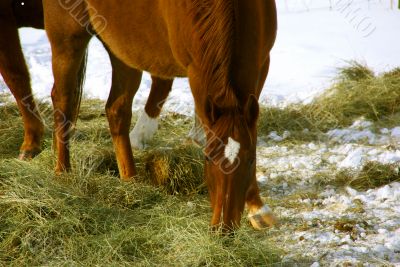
(395, 73)
(355, 71)
(359, 93)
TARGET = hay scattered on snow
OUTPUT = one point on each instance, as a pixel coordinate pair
(372, 175)
(356, 92)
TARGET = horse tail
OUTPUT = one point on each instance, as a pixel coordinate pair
(81, 82)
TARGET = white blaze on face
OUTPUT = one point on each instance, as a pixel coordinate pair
(232, 149)
(144, 130)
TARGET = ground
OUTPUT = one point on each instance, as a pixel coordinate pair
(328, 222)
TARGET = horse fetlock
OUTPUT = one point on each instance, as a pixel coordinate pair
(127, 171)
(31, 147)
(62, 168)
(29, 154)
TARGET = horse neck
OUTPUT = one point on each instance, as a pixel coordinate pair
(214, 26)
(255, 34)
(233, 45)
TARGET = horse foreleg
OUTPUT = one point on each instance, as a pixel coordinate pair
(16, 75)
(125, 83)
(69, 41)
(147, 124)
(260, 215)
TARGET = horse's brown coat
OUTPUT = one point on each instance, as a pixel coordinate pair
(221, 45)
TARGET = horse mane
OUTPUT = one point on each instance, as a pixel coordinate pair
(214, 30)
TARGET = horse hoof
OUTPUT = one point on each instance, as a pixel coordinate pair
(28, 154)
(263, 218)
(60, 170)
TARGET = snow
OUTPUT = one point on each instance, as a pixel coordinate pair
(395, 132)
(354, 158)
(310, 45)
(274, 136)
(314, 39)
(287, 169)
(383, 241)
(292, 169)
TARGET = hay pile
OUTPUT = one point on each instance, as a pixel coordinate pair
(178, 171)
(98, 221)
(89, 218)
(357, 92)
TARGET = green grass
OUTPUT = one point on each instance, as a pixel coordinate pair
(89, 218)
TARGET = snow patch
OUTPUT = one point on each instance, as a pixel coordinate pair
(354, 159)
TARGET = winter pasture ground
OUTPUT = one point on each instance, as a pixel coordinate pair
(328, 169)
(328, 160)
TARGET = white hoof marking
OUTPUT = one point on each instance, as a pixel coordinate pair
(143, 131)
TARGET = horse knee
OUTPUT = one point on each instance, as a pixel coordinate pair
(119, 115)
(19, 83)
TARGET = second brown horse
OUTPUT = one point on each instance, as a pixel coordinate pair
(13, 15)
(223, 47)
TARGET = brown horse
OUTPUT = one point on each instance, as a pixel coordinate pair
(221, 45)
(15, 14)
(29, 13)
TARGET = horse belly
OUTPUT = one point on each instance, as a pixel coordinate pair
(145, 56)
(137, 35)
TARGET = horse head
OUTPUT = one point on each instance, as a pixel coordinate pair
(230, 159)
